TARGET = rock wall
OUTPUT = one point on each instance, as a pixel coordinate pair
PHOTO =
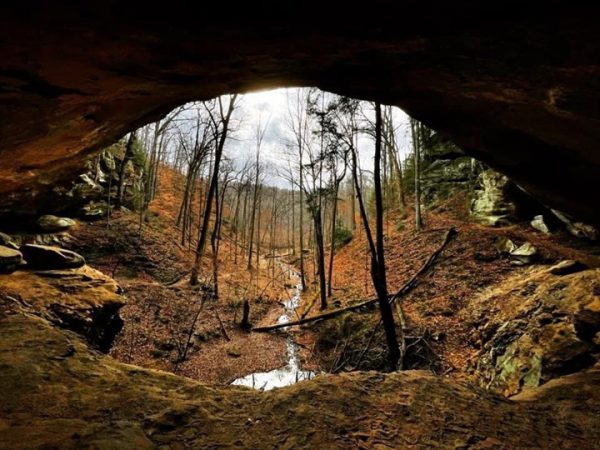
(535, 327)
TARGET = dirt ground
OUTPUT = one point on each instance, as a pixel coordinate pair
(162, 307)
(468, 265)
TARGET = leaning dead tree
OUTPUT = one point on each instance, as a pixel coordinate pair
(376, 248)
(403, 291)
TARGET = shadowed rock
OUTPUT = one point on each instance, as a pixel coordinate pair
(10, 259)
(45, 257)
(52, 223)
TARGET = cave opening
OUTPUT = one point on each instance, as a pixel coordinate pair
(148, 211)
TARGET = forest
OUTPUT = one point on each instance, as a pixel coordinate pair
(277, 215)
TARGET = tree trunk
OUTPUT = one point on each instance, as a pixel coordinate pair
(332, 251)
(245, 324)
(378, 272)
(211, 192)
(417, 158)
(320, 256)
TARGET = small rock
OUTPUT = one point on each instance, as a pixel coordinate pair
(94, 211)
(525, 254)
(505, 245)
(7, 241)
(10, 259)
(53, 223)
(45, 257)
(539, 224)
(234, 351)
(567, 267)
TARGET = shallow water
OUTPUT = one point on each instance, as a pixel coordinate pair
(291, 373)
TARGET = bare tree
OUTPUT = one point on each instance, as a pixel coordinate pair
(416, 141)
(298, 124)
(376, 248)
(221, 127)
(389, 136)
(259, 135)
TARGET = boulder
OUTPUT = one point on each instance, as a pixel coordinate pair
(525, 254)
(535, 326)
(444, 177)
(539, 224)
(86, 189)
(94, 211)
(492, 205)
(46, 258)
(578, 229)
(107, 162)
(82, 300)
(10, 259)
(7, 241)
(52, 223)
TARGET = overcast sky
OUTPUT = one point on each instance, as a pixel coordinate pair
(272, 107)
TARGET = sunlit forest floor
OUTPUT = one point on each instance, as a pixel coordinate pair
(437, 310)
(162, 307)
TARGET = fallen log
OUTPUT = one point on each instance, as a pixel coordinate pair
(405, 289)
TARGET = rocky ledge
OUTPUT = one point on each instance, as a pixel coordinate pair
(536, 326)
(61, 394)
(82, 300)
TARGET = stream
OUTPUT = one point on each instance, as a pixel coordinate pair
(291, 373)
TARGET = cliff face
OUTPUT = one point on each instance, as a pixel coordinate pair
(519, 93)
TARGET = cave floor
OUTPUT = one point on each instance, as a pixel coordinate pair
(58, 393)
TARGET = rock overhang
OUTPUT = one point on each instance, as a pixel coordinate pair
(518, 91)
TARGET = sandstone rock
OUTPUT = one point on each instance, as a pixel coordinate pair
(525, 254)
(85, 189)
(505, 245)
(567, 267)
(534, 328)
(60, 394)
(444, 177)
(491, 205)
(539, 224)
(53, 223)
(107, 161)
(8, 241)
(10, 259)
(94, 211)
(577, 229)
(82, 300)
(46, 257)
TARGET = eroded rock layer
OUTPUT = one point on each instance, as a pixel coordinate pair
(517, 91)
(536, 326)
(89, 400)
